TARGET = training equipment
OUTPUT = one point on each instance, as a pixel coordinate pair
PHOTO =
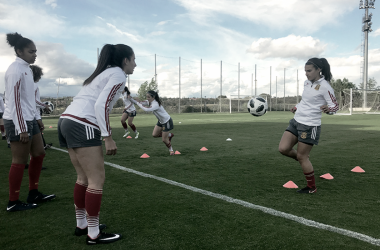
(257, 106)
(20, 206)
(290, 184)
(177, 153)
(129, 137)
(357, 169)
(307, 190)
(144, 156)
(229, 139)
(39, 197)
(327, 176)
(50, 108)
(204, 149)
(79, 232)
(103, 238)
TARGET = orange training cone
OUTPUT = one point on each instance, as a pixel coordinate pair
(204, 149)
(327, 176)
(129, 137)
(290, 184)
(357, 169)
(51, 127)
(177, 153)
(144, 156)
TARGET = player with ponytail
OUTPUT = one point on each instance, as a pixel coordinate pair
(80, 129)
(128, 113)
(165, 122)
(21, 126)
(305, 128)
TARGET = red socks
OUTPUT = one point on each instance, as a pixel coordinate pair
(15, 178)
(310, 179)
(133, 127)
(79, 201)
(34, 169)
(125, 126)
(2, 129)
(93, 201)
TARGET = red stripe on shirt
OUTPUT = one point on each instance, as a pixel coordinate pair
(333, 99)
(18, 107)
(111, 95)
(81, 119)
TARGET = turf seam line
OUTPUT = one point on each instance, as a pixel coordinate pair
(266, 210)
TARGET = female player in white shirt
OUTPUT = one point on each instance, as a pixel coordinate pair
(128, 113)
(165, 122)
(20, 124)
(305, 128)
(80, 129)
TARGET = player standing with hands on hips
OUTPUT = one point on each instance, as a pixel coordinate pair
(80, 129)
(305, 128)
(21, 126)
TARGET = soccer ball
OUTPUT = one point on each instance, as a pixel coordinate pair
(50, 108)
(257, 106)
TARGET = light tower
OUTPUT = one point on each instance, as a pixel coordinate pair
(367, 4)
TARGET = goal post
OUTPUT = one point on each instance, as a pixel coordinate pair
(351, 101)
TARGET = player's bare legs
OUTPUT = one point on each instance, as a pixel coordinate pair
(288, 141)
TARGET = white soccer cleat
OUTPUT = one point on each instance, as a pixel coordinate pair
(126, 134)
(137, 135)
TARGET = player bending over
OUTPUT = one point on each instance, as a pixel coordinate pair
(165, 122)
(305, 128)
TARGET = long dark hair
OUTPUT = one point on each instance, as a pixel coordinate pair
(154, 94)
(127, 90)
(323, 64)
(111, 55)
(17, 41)
(37, 72)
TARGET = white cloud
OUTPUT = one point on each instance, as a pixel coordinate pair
(287, 47)
(52, 3)
(309, 16)
(163, 22)
(376, 32)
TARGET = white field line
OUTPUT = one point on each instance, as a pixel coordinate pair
(266, 210)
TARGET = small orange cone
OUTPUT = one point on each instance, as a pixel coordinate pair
(177, 153)
(144, 156)
(327, 176)
(204, 149)
(104, 139)
(290, 184)
(357, 169)
(129, 137)
(51, 127)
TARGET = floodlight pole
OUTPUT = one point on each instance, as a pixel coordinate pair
(255, 81)
(179, 89)
(366, 28)
(221, 80)
(270, 88)
(239, 87)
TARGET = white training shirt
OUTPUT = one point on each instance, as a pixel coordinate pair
(20, 103)
(129, 106)
(39, 104)
(1, 105)
(159, 111)
(313, 97)
(94, 102)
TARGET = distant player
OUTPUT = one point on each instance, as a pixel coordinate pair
(305, 128)
(165, 122)
(128, 113)
(21, 126)
(80, 129)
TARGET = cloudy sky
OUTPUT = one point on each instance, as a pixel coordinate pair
(271, 34)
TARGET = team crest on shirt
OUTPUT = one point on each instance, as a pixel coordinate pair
(303, 135)
(317, 87)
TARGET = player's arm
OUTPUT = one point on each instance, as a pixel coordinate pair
(14, 80)
(332, 105)
(152, 107)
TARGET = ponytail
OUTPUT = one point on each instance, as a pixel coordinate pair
(110, 56)
(155, 96)
(323, 64)
(127, 90)
(17, 41)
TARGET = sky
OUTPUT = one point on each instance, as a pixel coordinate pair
(242, 45)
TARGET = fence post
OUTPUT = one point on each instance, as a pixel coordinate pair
(270, 88)
(221, 79)
(201, 86)
(179, 80)
(284, 89)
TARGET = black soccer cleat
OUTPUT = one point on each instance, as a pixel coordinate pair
(3, 137)
(307, 190)
(39, 197)
(19, 206)
(103, 238)
(79, 232)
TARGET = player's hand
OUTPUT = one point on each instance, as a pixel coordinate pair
(293, 110)
(46, 108)
(325, 109)
(24, 137)
(41, 125)
(111, 148)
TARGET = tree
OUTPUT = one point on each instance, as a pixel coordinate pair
(145, 87)
(119, 103)
(371, 84)
(339, 85)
